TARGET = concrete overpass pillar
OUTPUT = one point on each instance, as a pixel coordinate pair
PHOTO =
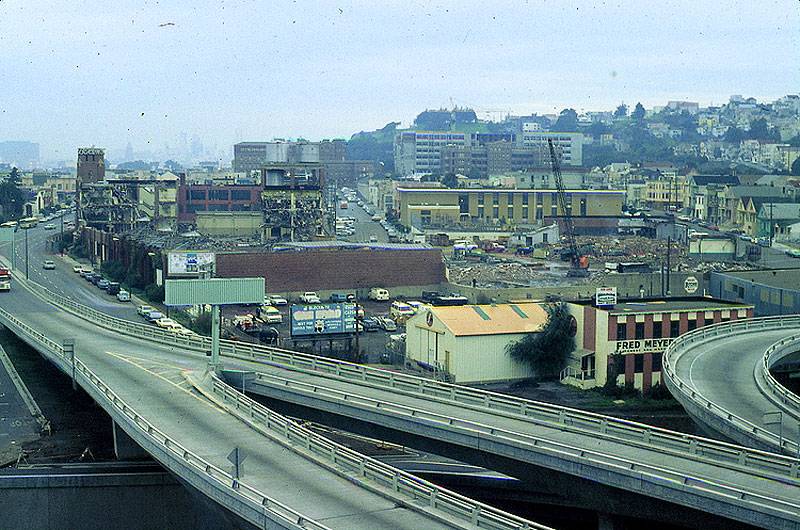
(124, 447)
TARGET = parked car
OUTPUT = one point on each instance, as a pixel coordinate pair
(102, 284)
(143, 310)
(310, 297)
(275, 299)
(96, 278)
(387, 324)
(166, 323)
(370, 324)
(152, 316)
(379, 294)
(48, 264)
(338, 297)
(50, 226)
(84, 272)
(77, 268)
(113, 288)
(5, 285)
(124, 296)
(270, 314)
(401, 311)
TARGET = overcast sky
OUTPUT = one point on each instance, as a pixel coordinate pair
(108, 72)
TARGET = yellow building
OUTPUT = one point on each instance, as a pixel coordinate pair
(446, 207)
(469, 342)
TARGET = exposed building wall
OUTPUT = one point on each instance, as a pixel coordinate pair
(230, 224)
(336, 269)
(91, 165)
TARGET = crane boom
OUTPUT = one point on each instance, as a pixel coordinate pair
(575, 255)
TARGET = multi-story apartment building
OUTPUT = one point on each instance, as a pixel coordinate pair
(421, 151)
(569, 145)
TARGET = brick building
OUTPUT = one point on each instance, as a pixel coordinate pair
(193, 198)
(630, 337)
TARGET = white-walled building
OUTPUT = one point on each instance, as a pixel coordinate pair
(469, 342)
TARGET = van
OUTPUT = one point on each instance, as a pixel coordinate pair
(270, 315)
(379, 294)
(400, 311)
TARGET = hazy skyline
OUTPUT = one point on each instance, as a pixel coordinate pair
(102, 73)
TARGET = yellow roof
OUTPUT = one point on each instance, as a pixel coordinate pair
(495, 319)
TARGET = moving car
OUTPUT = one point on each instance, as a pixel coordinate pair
(124, 296)
(143, 310)
(5, 285)
(50, 226)
(48, 264)
(152, 316)
(166, 323)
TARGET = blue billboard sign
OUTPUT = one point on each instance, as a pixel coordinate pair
(323, 319)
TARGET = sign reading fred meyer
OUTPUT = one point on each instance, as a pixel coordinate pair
(641, 345)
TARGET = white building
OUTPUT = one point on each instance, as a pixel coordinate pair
(469, 342)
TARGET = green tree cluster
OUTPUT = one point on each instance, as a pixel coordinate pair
(548, 350)
(12, 199)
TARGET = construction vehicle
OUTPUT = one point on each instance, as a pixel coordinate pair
(579, 263)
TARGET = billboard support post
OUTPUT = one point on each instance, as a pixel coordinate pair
(214, 364)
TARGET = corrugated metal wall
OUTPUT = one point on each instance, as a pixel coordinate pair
(768, 300)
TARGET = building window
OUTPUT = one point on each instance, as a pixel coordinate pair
(638, 363)
(583, 207)
(692, 324)
(240, 195)
(197, 195)
(640, 330)
(674, 328)
(496, 211)
(480, 211)
(480, 199)
(495, 198)
(219, 195)
(657, 362)
(657, 330)
(510, 214)
(621, 331)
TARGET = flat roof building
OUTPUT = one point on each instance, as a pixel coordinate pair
(469, 342)
(629, 338)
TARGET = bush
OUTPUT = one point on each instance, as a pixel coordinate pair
(154, 293)
(202, 324)
(483, 299)
(658, 392)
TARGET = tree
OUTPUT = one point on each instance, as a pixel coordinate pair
(638, 113)
(734, 135)
(567, 121)
(547, 351)
(15, 176)
(760, 130)
(621, 111)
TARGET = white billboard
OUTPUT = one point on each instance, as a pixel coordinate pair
(189, 263)
(606, 296)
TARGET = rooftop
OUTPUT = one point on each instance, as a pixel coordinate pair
(645, 305)
(495, 319)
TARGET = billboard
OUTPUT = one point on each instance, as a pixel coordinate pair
(214, 291)
(606, 296)
(323, 319)
(189, 263)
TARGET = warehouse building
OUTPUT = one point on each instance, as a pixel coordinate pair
(469, 342)
(629, 337)
(592, 210)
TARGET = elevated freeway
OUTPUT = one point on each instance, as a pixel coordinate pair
(721, 375)
(160, 397)
(612, 463)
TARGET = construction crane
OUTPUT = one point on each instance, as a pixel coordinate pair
(579, 264)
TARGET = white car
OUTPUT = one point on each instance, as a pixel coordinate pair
(124, 296)
(77, 268)
(310, 297)
(48, 265)
(270, 314)
(5, 285)
(275, 299)
(49, 226)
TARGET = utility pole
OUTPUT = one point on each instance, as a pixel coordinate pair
(669, 251)
(26, 253)
(61, 241)
(771, 226)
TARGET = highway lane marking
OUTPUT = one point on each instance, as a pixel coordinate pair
(189, 391)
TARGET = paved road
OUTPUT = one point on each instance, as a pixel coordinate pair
(722, 371)
(149, 377)
(364, 226)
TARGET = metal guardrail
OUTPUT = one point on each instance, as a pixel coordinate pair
(536, 444)
(349, 463)
(624, 431)
(678, 347)
(247, 494)
(789, 400)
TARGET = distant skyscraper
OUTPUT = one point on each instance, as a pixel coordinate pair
(128, 152)
(91, 165)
